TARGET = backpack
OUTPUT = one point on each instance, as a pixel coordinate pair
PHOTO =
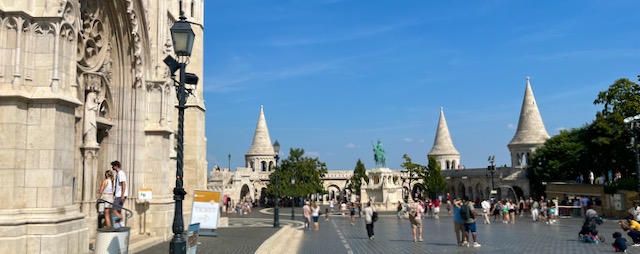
(374, 216)
(465, 212)
(413, 213)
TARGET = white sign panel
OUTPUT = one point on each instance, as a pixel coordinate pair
(206, 207)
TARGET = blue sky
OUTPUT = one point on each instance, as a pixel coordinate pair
(335, 76)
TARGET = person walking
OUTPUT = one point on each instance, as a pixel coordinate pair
(352, 213)
(121, 192)
(436, 208)
(106, 194)
(468, 213)
(368, 218)
(486, 208)
(306, 212)
(458, 222)
(535, 210)
(343, 210)
(315, 213)
(415, 218)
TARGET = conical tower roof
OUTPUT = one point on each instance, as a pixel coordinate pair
(443, 145)
(530, 126)
(261, 140)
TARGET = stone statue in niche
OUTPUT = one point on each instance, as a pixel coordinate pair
(90, 126)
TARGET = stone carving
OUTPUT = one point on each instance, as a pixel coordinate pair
(91, 106)
(93, 38)
(54, 6)
(107, 65)
(137, 44)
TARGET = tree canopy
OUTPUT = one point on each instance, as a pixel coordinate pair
(359, 174)
(434, 182)
(306, 171)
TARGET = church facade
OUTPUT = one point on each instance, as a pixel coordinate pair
(83, 83)
(386, 186)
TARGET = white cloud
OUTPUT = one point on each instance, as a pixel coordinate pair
(312, 154)
(408, 140)
(350, 145)
(561, 129)
(511, 126)
(421, 141)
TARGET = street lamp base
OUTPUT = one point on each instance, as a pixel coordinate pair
(178, 244)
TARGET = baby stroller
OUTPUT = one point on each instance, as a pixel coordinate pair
(589, 232)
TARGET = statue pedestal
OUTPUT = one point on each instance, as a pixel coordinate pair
(381, 190)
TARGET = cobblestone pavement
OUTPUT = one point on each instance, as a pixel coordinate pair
(394, 236)
(247, 233)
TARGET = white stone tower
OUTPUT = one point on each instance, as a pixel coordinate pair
(531, 133)
(260, 156)
(443, 150)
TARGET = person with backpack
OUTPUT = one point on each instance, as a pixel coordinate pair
(458, 222)
(369, 220)
(468, 214)
(415, 218)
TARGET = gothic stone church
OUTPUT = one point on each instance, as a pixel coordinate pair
(82, 83)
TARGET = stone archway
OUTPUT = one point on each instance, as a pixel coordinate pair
(245, 193)
(461, 190)
(263, 196)
(518, 191)
(333, 191)
(417, 191)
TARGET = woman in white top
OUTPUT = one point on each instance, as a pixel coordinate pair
(315, 213)
(106, 192)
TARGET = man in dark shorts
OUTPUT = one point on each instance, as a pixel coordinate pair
(120, 192)
(470, 223)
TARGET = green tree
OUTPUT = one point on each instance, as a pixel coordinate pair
(608, 136)
(308, 174)
(359, 174)
(561, 158)
(415, 171)
(434, 182)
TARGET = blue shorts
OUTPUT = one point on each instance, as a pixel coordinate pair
(315, 218)
(470, 227)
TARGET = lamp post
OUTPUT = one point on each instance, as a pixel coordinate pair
(182, 36)
(276, 212)
(293, 197)
(229, 157)
(492, 169)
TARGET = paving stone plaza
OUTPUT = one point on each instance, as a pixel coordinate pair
(249, 233)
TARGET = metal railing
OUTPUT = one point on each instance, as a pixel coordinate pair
(128, 213)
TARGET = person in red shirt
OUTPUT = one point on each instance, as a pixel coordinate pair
(436, 208)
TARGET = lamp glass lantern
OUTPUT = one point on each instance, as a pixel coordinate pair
(276, 147)
(182, 36)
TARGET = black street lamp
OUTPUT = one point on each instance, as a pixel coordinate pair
(182, 36)
(492, 169)
(293, 198)
(229, 157)
(276, 212)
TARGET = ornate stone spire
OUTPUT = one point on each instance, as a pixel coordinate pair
(261, 140)
(443, 150)
(530, 127)
(443, 144)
